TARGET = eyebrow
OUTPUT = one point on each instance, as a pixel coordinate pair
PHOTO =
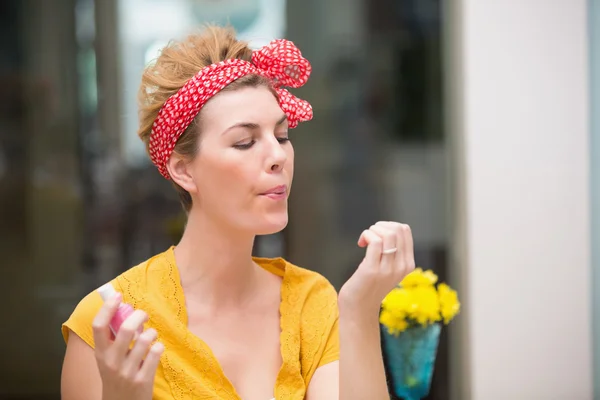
(252, 125)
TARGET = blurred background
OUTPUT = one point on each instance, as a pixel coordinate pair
(476, 122)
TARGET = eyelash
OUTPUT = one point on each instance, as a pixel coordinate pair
(246, 146)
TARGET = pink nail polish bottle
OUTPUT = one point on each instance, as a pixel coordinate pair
(107, 292)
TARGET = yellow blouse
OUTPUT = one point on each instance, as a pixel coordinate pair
(188, 368)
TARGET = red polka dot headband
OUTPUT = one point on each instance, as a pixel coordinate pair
(280, 61)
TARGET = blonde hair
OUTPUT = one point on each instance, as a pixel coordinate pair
(177, 63)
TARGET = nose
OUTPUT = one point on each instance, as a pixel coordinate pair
(277, 156)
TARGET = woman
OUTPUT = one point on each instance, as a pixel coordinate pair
(220, 324)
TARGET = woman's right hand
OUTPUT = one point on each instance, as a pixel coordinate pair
(127, 374)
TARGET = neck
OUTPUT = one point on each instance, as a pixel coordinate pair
(215, 262)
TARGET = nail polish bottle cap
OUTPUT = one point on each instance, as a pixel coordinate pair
(106, 291)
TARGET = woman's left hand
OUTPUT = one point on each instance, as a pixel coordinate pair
(389, 258)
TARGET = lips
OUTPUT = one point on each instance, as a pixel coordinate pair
(277, 190)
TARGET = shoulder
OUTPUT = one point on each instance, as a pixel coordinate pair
(131, 283)
(302, 283)
(317, 289)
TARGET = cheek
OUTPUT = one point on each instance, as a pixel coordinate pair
(290, 161)
(223, 174)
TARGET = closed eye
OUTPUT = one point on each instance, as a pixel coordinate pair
(244, 146)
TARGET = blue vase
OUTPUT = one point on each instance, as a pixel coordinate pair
(410, 358)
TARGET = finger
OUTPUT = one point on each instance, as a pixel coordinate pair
(362, 241)
(390, 242)
(397, 228)
(405, 261)
(392, 226)
(127, 333)
(101, 323)
(408, 248)
(374, 248)
(148, 369)
(136, 355)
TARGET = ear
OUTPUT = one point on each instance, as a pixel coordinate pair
(180, 171)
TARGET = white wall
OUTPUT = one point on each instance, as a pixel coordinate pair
(519, 103)
(594, 28)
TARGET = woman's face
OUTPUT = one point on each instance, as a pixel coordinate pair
(243, 172)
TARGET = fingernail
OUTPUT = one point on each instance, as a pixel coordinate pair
(117, 298)
(159, 347)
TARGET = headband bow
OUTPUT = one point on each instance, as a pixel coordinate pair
(280, 61)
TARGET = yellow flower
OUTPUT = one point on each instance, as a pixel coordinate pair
(419, 277)
(393, 324)
(449, 304)
(417, 301)
(425, 304)
(394, 309)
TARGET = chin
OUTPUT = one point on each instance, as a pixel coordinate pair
(271, 225)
